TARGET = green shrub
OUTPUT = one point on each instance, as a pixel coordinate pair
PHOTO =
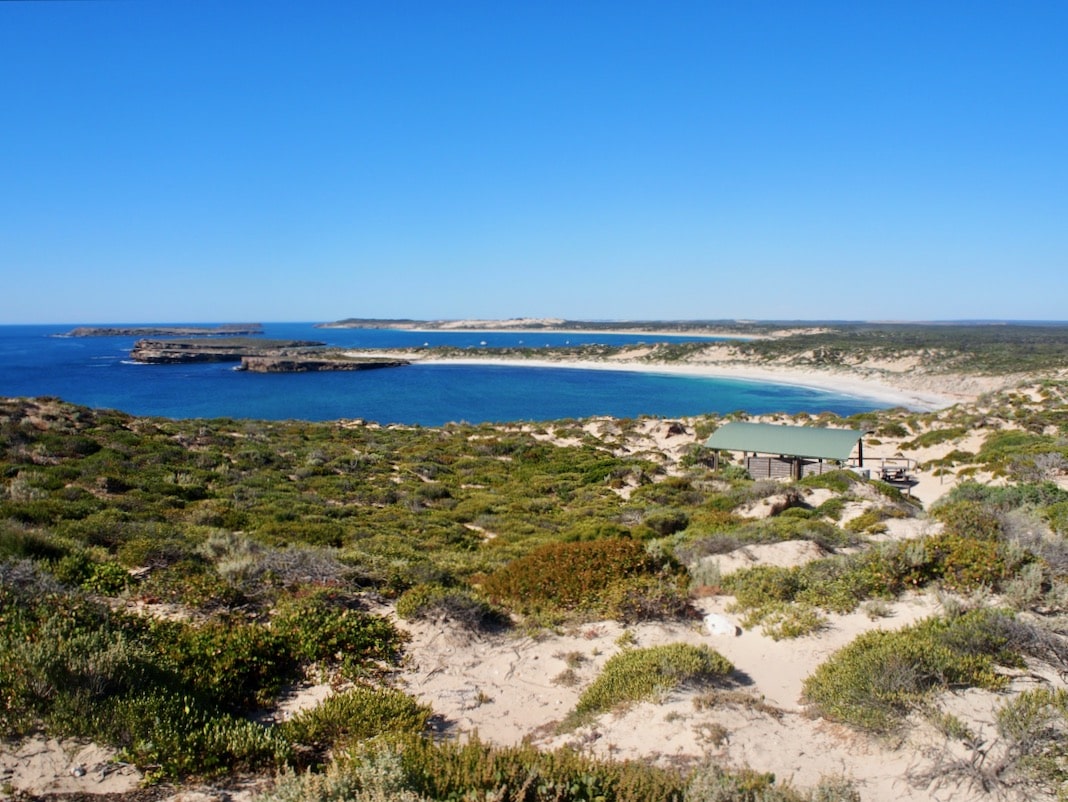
(473, 770)
(1000, 448)
(966, 563)
(961, 563)
(784, 621)
(935, 437)
(432, 602)
(969, 519)
(714, 784)
(176, 735)
(356, 714)
(763, 584)
(324, 626)
(1034, 725)
(664, 522)
(18, 541)
(733, 473)
(235, 665)
(371, 776)
(872, 521)
(1057, 517)
(875, 681)
(892, 429)
(61, 657)
(637, 674)
(71, 667)
(838, 481)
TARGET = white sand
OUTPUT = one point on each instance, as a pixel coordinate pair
(844, 383)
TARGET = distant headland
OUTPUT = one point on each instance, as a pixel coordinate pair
(719, 328)
(225, 330)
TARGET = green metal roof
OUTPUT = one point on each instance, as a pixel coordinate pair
(791, 441)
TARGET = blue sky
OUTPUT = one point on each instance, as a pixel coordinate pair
(217, 161)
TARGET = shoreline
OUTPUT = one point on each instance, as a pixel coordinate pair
(847, 384)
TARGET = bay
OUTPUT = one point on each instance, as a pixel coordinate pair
(96, 371)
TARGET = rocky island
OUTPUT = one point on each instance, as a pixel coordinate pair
(257, 356)
(228, 349)
(225, 330)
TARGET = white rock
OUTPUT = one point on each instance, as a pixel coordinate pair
(719, 625)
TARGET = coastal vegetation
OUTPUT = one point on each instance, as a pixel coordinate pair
(162, 582)
(962, 348)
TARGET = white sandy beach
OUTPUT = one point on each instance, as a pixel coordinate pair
(924, 394)
(843, 383)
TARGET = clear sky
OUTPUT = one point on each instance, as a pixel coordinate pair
(196, 160)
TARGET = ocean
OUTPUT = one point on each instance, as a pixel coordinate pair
(97, 372)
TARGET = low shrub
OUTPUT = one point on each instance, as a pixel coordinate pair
(969, 519)
(785, 621)
(235, 665)
(356, 714)
(176, 735)
(571, 576)
(1029, 756)
(770, 530)
(836, 584)
(373, 776)
(763, 584)
(714, 784)
(935, 437)
(61, 657)
(637, 674)
(18, 541)
(473, 770)
(875, 681)
(436, 602)
(838, 481)
(967, 563)
(71, 667)
(873, 521)
(664, 522)
(325, 626)
(647, 598)
(1034, 725)
(1056, 516)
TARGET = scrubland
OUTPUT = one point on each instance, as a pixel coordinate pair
(314, 611)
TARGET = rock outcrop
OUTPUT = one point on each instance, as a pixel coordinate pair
(312, 364)
(257, 356)
(228, 349)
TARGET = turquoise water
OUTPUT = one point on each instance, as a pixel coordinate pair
(96, 371)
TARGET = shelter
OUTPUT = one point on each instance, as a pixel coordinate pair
(780, 451)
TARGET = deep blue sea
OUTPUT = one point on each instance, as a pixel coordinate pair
(96, 371)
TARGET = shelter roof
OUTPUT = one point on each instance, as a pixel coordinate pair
(792, 441)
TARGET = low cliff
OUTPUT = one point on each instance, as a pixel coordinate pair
(313, 364)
